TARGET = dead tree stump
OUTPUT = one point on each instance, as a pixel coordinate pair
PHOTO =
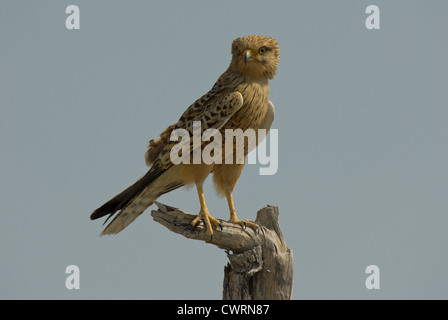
(260, 263)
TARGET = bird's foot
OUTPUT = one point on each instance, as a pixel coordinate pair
(208, 221)
(246, 223)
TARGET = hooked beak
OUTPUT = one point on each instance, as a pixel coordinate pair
(248, 56)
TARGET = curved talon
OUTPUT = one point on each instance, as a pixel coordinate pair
(245, 223)
(234, 217)
(208, 221)
(195, 223)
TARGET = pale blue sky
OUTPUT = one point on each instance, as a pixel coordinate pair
(362, 126)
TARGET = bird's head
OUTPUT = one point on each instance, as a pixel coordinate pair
(255, 56)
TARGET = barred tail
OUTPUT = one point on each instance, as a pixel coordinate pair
(137, 198)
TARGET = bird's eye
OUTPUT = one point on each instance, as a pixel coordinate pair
(262, 50)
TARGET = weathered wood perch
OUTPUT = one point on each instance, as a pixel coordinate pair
(261, 264)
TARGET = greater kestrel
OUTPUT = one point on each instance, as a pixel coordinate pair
(238, 100)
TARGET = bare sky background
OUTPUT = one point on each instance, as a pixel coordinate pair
(362, 123)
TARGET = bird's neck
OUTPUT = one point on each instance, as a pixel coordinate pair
(249, 72)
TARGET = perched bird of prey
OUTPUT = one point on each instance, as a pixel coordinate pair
(238, 100)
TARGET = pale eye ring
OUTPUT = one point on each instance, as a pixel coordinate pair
(262, 50)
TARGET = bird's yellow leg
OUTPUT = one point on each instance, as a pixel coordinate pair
(204, 214)
(234, 218)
